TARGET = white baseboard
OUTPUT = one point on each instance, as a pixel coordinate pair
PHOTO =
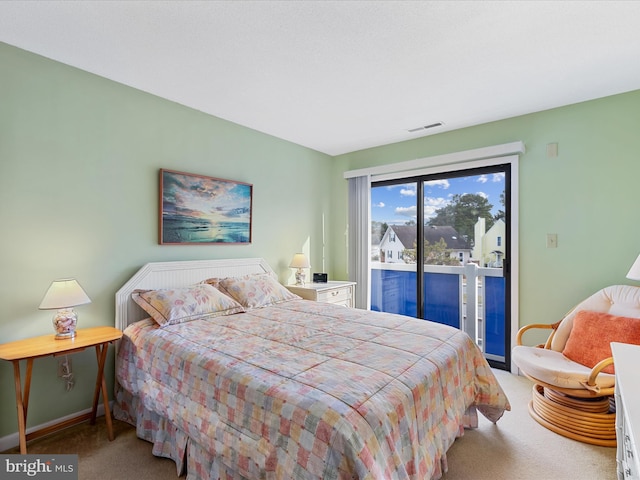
(13, 440)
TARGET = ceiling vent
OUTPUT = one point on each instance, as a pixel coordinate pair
(426, 127)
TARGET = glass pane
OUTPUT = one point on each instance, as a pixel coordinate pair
(393, 248)
(495, 317)
(464, 225)
(462, 213)
(442, 298)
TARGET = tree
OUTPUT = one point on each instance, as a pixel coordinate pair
(500, 215)
(436, 254)
(463, 213)
(409, 254)
(378, 230)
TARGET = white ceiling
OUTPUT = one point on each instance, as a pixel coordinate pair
(340, 76)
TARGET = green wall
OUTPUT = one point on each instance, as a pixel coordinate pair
(79, 161)
(587, 195)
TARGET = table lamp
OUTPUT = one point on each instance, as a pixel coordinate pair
(300, 262)
(634, 271)
(63, 295)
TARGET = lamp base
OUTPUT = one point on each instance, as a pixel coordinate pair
(64, 323)
(300, 277)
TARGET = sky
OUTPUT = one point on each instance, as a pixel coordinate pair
(396, 204)
(214, 199)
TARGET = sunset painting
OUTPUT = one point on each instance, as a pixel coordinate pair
(196, 209)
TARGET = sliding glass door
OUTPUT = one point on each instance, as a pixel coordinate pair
(440, 252)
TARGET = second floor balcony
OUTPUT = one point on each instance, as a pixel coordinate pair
(467, 297)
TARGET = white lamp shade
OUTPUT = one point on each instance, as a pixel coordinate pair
(299, 261)
(634, 272)
(63, 294)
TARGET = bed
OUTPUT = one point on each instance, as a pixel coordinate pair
(270, 386)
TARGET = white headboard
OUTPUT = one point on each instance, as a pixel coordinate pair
(176, 274)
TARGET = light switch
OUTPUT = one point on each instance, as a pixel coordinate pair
(552, 240)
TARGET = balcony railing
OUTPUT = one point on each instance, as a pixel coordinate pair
(467, 297)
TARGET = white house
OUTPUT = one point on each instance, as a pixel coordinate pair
(397, 238)
(488, 248)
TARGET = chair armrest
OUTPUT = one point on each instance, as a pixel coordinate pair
(601, 365)
(544, 326)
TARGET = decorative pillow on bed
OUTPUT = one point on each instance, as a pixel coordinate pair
(257, 290)
(592, 333)
(179, 305)
(215, 283)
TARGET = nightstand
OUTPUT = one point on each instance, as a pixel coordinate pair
(30, 348)
(338, 293)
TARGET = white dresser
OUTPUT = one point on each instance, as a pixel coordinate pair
(338, 293)
(626, 360)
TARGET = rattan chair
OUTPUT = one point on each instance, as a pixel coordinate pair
(570, 398)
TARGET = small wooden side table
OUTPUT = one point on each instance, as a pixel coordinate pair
(30, 348)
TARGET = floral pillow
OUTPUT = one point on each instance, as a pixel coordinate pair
(216, 283)
(257, 290)
(179, 305)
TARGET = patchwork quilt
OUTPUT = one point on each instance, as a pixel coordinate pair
(307, 390)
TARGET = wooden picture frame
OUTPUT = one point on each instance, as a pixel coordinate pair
(202, 210)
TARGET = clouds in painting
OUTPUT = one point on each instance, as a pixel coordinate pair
(207, 198)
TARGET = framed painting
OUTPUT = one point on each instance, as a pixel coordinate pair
(200, 210)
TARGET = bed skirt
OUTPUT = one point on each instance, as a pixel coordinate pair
(190, 458)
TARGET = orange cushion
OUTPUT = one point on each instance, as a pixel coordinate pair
(592, 333)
